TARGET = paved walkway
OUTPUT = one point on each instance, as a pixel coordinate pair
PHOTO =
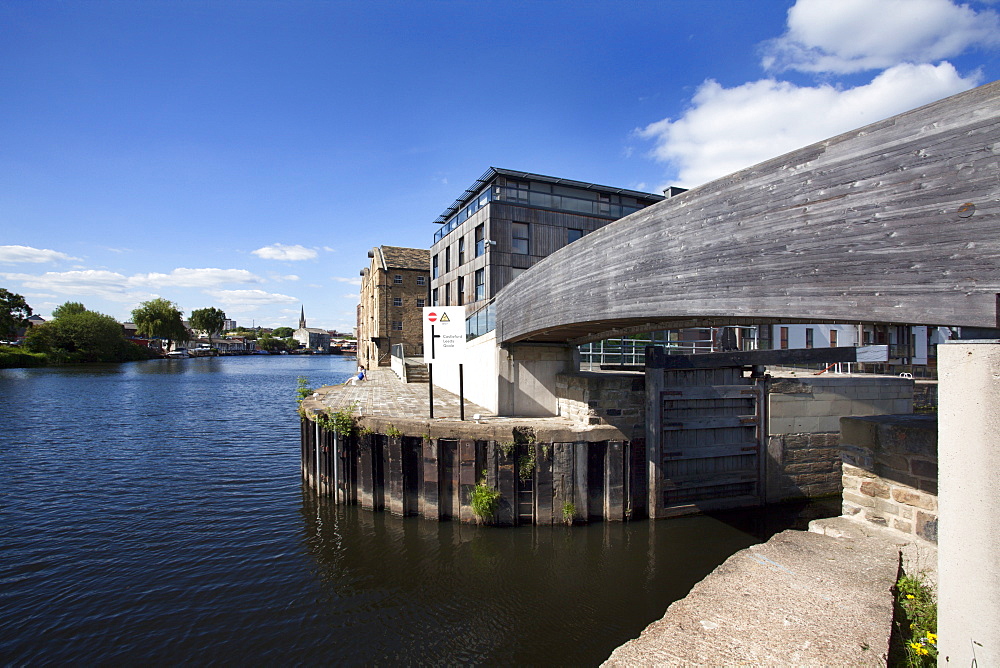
(800, 599)
(383, 394)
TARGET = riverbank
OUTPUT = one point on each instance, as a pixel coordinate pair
(817, 597)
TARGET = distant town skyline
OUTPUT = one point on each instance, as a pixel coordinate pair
(247, 155)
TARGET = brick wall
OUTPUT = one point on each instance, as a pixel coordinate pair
(890, 472)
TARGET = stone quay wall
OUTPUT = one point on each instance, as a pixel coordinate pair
(803, 434)
(590, 398)
(890, 472)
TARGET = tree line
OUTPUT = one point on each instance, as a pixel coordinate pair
(76, 334)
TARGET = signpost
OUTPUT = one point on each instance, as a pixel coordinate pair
(444, 341)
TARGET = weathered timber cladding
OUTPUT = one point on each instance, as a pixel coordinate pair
(405, 475)
(848, 230)
(467, 478)
(429, 487)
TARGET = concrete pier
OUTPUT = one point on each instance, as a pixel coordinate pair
(804, 598)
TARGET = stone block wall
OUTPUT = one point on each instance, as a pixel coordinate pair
(614, 398)
(803, 428)
(890, 468)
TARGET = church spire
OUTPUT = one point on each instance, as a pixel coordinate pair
(302, 318)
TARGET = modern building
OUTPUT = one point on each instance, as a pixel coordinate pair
(311, 338)
(394, 289)
(507, 221)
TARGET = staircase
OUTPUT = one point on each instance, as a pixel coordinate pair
(416, 373)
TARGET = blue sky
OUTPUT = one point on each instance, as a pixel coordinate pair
(246, 155)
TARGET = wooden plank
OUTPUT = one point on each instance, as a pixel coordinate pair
(544, 511)
(394, 475)
(675, 393)
(429, 489)
(727, 450)
(467, 478)
(709, 481)
(614, 483)
(720, 422)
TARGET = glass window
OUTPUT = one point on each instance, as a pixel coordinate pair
(447, 259)
(447, 294)
(784, 338)
(397, 325)
(516, 271)
(480, 240)
(460, 296)
(397, 279)
(434, 267)
(480, 284)
(434, 297)
(461, 251)
(421, 302)
(572, 235)
(397, 301)
(809, 337)
(520, 243)
(833, 338)
(421, 280)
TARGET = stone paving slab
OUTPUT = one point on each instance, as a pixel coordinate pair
(383, 394)
(800, 599)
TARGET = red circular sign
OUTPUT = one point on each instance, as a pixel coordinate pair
(432, 316)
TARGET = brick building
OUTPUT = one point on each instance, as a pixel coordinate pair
(394, 289)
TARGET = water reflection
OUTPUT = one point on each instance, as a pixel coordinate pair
(416, 591)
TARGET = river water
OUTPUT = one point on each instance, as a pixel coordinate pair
(153, 513)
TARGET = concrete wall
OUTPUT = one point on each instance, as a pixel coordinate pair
(528, 375)
(803, 418)
(969, 551)
(890, 472)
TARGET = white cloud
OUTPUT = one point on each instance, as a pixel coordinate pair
(287, 253)
(727, 129)
(352, 295)
(287, 277)
(91, 282)
(195, 278)
(348, 280)
(249, 297)
(13, 254)
(845, 36)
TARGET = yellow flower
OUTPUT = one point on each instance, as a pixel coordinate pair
(915, 645)
(932, 637)
(910, 596)
(922, 651)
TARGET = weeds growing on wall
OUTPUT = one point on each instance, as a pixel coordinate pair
(485, 500)
(914, 641)
(303, 390)
(342, 422)
(568, 512)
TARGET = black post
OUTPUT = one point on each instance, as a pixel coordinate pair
(461, 394)
(430, 388)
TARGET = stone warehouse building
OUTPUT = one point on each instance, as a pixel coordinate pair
(508, 220)
(394, 289)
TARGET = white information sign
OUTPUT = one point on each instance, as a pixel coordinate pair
(444, 334)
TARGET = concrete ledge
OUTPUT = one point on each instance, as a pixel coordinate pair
(801, 598)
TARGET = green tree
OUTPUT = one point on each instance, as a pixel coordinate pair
(282, 332)
(83, 337)
(209, 320)
(14, 313)
(270, 343)
(159, 319)
(69, 308)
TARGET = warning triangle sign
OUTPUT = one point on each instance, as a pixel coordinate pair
(445, 318)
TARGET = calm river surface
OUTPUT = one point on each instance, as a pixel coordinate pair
(153, 513)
